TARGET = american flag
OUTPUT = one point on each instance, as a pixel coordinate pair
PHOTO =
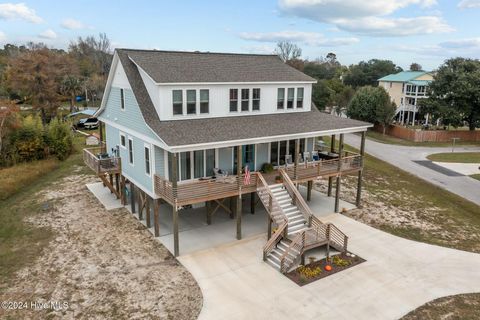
(246, 178)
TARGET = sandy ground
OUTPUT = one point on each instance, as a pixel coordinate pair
(103, 264)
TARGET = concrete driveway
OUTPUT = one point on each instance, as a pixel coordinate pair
(403, 157)
(398, 276)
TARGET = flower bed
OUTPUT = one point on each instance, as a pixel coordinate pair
(317, 269)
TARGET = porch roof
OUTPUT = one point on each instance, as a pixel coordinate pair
(182, 135)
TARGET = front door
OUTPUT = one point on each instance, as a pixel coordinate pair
(248, 157)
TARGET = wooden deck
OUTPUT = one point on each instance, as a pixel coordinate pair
(101, 166)
(190, 192)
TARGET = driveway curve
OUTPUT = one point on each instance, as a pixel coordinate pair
(404, 157)
(398, 276)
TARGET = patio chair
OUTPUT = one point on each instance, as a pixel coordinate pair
(288, 160)
(219, 173)
(306, 156)
(315, 156)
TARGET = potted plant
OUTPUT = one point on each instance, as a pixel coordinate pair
(278, 179)
(267, 168)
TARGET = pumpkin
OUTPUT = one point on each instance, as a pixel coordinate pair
(328, 267)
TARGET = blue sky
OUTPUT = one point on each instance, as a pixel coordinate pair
(405, 31)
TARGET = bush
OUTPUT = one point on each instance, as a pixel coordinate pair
(267, 167)
(60, 139)
(28, 140)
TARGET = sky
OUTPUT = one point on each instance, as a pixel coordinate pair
(404, 31)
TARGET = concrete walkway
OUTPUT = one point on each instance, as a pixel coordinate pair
(398, 276)
(403, 157)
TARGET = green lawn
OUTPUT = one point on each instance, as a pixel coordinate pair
(21, 243)
(379, 137)
(462, 306)
(457, 157)
(475, 176)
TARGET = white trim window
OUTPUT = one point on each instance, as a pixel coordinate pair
(256, 99)
(123, 140)
(290, 97)
(245, 99)
(299, 97)
(233, 100)
(204, 100)
(122, 99)
(191, 101)
(177, 102)
(130, 151)
(148, 166)
(281, 98)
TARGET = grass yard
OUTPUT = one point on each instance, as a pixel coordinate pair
(462, 306)
(21, 243)
(379, 137)
(456, 157)
(475, 176)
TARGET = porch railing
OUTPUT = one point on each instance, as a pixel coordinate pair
(94, 160)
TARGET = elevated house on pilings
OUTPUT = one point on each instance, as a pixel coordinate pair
(181, 127)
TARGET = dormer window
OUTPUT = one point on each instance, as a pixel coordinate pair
(204, 101)
(290, 98)
(299, 97)
(280, 98)
(191, 101)
(245, 99)
(177, 102)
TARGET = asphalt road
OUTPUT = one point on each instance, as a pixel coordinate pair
(404, 157)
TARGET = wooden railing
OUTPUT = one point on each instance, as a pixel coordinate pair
(312, 169)
(189, 192)
(296, 196)
(101, 165)
(295, 249)
(277, 236)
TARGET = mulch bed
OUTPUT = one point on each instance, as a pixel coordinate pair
(302, 280)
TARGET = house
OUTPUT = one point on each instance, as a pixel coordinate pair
(182, 127)
(406, 88)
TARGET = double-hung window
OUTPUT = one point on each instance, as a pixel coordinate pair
(123, 143)
(245, 99)
(122, 99)
(177, 102)
(147, 160)
(204, 100)
(299, 97)
(191, 101)
(233, 100)
(290, 97)
(256, 99)
(130, 151)
(280, 98)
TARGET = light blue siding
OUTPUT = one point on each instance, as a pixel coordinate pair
(159, 161)
(131, 117)
(225, 159)
(309, 146)
(137, 170)
(262, 155)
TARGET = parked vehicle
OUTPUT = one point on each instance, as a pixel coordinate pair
(91, 123)
(80, 124)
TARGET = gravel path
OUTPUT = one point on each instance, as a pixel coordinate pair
(104, 264)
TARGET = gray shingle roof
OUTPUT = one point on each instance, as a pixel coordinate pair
(202, 131)
(194, 67)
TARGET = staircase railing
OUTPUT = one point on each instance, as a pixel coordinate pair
(295, 249)
(296, 196)
(274, 240)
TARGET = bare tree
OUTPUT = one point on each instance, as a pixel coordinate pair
(288, 51)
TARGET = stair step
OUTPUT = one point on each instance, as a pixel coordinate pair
(272, 262)
(295, 219)
(292, 213)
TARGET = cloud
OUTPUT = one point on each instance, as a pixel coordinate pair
(309, 38)
(48, 34)
(468, 4)
(13, 11)
(367, 17)
(72, 24)
(261, 49)
(3, 37)
(468, 47)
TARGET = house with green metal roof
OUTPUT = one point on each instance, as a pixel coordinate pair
(406, 88)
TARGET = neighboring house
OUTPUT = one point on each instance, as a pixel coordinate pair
(406, 88)
(172, 119)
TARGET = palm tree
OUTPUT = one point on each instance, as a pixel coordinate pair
(71, 87)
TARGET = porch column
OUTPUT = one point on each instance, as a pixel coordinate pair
(156, 217)
(238, 212)
(309, 190)
(337, 188)
(122, 190)
(111, 181)
(297, 151)
(252, 203)
(208, 207)
(100, 131)
(330, 179)
(132, 197)
(140, 203)
(360, 172)
(117, 186)
(176, 249)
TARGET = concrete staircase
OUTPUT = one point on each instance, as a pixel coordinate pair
(275, 256)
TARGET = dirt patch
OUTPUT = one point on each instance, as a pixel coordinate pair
(103, 264)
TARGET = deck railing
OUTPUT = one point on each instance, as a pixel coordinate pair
(91, 157)
(189, 192)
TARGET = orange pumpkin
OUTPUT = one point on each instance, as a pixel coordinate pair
(328, 267)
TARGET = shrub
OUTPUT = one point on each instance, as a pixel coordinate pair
(339, 262)
(60, 139)
(28, 140)
(309, 272)
(267, 167)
